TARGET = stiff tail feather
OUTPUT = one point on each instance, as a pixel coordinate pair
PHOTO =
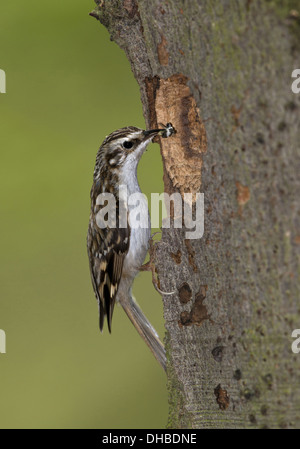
(144, 328)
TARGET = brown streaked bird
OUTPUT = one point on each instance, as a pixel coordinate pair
(116, 247)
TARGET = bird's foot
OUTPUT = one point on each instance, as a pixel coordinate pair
(150, 266)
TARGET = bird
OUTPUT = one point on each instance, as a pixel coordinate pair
(116, 247)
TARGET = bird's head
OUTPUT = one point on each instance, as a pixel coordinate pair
(122, 149)
(125, 144)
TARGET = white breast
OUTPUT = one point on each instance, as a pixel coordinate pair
(139, 236)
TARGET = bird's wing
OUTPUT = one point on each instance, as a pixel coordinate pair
(107, 249)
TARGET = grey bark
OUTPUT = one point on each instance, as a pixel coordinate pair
(220, 71)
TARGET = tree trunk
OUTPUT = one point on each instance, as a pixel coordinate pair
(220, 72)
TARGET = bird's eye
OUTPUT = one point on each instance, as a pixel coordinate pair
(127, 144)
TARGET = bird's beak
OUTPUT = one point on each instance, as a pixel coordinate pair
(152, 133)
(167, 131)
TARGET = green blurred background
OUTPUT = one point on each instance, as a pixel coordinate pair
(68, 87)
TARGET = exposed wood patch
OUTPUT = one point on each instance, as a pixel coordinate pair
(170, 100)
(151, 86)
(243, 194)
(183, 152)
(185, 293)
(176, 257)
(191, 254)
(222, 397)
(163, 55)
(198, 312)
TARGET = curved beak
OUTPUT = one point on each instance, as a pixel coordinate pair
(149, 134)
(165, 132)
(152, 132)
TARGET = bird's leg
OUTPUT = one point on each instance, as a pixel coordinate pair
(150, 265)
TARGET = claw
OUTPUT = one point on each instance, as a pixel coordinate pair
(160, 291)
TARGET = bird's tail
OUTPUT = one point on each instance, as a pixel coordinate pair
(144, 328)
